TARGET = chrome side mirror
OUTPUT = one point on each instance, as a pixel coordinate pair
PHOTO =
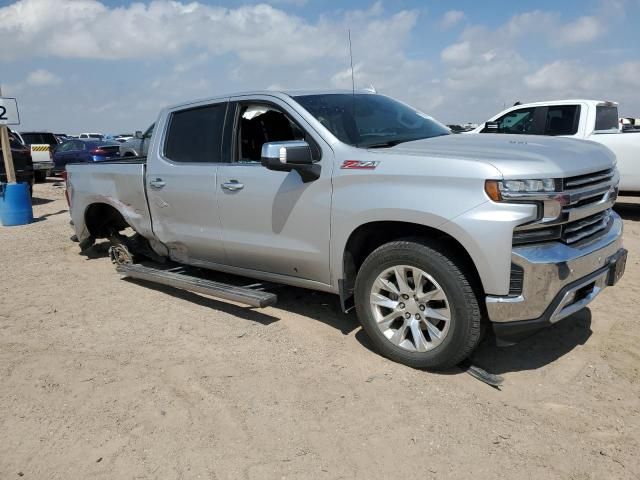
(291, 155)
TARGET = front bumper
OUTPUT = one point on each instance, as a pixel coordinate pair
(558, 281)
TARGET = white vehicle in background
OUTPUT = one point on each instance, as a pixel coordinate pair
(94, 136)
(593, 120)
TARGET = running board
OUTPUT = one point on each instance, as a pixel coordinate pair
(247, 296)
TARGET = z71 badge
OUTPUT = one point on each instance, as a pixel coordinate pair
(359, 165)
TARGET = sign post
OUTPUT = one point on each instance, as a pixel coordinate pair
(8, 116)
(15, 198)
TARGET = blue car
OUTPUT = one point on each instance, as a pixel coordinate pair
(76, 151)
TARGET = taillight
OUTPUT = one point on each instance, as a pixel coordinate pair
(98, 151)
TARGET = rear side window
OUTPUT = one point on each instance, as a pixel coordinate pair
(562, 120)
(195, 135)
(606, 117)
(32, 138)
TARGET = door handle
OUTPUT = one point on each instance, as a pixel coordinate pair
(157, 183)
(233, 186)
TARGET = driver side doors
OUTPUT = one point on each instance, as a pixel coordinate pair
(272, 221)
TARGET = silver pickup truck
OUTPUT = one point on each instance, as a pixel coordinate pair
(430, 236)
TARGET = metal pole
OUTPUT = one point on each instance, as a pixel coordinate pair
(6, 152)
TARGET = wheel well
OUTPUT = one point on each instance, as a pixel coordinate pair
(128, 154)
(102, 220)
(366, 238)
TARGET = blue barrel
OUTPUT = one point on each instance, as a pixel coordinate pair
(15, 204)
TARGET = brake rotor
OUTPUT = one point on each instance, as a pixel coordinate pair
(120, 255)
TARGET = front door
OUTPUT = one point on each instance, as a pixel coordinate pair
(272, 221)
(181, 183)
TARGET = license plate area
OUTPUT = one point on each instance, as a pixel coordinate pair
(617, 264)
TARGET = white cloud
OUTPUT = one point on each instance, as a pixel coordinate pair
(582, 30)
(558, 76)
(457, 53)
(451, 18)
(257, 33)
(42, 78)
(189, 49)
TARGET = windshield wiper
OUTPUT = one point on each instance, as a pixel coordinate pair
(398, 141)
(390, 143)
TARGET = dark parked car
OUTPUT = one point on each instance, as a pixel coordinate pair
(22, 163)
(40, 154)
(84, 151)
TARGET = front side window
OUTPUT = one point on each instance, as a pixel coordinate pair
(562, 120)
(517, 121)
(259, 124)
(195, 135)
(65, 147)
(370, 121)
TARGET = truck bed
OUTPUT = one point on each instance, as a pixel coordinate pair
(117, 183)
(627, 150)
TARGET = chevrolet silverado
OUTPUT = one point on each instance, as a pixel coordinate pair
(431, 236)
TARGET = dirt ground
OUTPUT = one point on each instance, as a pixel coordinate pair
(107, 378)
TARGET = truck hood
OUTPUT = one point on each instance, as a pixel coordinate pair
(517, 156)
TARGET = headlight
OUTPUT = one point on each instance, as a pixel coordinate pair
(518, 189)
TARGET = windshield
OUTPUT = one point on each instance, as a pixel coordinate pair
(39, 138)
(367, 121)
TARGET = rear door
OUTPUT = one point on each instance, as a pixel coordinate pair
(272, 221)
(562, 120)
(181, 183)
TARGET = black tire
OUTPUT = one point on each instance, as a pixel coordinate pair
(466, 317)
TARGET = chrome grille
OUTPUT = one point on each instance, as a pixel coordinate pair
(588, 189)
(581, 211)
(586, 227)
(588, 180)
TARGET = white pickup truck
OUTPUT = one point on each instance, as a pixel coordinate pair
(593, 120)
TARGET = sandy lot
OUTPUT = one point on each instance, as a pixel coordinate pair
(111, 379)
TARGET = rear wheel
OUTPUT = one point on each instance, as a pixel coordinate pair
(417, 305)
(41, 176)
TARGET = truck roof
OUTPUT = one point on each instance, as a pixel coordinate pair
(570, 101)
(274, 93)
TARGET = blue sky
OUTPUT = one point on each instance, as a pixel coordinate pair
(89, 65)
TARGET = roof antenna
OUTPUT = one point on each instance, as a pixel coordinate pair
(353, 83)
